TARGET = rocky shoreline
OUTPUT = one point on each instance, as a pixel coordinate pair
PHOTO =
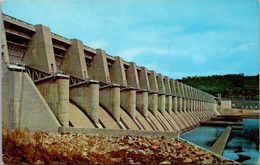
(21, 147)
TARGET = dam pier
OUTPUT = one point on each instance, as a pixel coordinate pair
(51, 83)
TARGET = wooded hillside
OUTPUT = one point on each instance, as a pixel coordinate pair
(231, 85)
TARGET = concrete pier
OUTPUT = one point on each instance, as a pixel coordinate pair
(98, 70)
(142, 102)
(63, 101)
(74, 60)
(56, 94)
(219, 146)
(128, 101)
(143, 94)
(40, 50)
(110, 99)
(86, 96)
(75, 85)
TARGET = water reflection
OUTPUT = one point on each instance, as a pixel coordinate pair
(246, 140)
(203, 136)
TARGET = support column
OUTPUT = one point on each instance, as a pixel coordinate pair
(40, 53)
(208, 105)
(118, 75)
(194, 106)
(174, 98)
(192, 96)
(4, 47)
(153, 103)
(207, 117)
(168, 98)
(142, 96)
(190, 113)
(183, 97)
(168, 105)
(175, 104)
(128, 101)
(109, 96)
(86, 96)
(153, 96)
(74, 61)
(110, 99)
(144, 80)
(63, 103)
(161, 103)
(168, 102)
(185, 105)
(142, 102)
(127, 95)
(199, 105)
(161, 97)
(182, 107)
(132, 76)
(11, 98)
(56, 94)
(175, 114)
(98, 70)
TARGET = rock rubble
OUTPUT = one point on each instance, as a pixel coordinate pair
(54, 148)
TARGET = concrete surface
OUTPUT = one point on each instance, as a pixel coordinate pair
(219, 146)
(118, 132)
(162, 103)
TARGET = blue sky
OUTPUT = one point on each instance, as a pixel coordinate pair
(177, 38)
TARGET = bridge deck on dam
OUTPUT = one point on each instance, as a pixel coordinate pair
(83, 87)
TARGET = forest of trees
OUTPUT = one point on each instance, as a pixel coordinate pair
(229, 86)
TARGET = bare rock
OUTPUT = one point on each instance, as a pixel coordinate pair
(189, 160)
(200, 153)
(243, 158)
(165, 162)
(39, 162)
(208, 161)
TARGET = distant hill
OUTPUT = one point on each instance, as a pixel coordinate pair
(229, 86)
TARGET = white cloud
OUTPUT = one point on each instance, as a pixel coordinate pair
(240, 48)
(133, 53)
(98, 44)
(154, 67)
(130, 54)
(199, 58)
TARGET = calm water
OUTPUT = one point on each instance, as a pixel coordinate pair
(246, 139)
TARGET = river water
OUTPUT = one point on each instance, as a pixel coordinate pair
(244, 142)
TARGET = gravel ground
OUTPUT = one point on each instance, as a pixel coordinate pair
(54, 148)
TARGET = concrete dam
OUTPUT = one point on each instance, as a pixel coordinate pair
(51, 83)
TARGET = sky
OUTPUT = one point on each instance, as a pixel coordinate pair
(177, 38)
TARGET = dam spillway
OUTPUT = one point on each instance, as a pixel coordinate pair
(52, 83)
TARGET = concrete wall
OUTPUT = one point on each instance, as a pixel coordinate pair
(23, 105)
(56, 94)
(40, 50)
(225, 104)
(118, 132)
(125, 96)
(86, 96)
